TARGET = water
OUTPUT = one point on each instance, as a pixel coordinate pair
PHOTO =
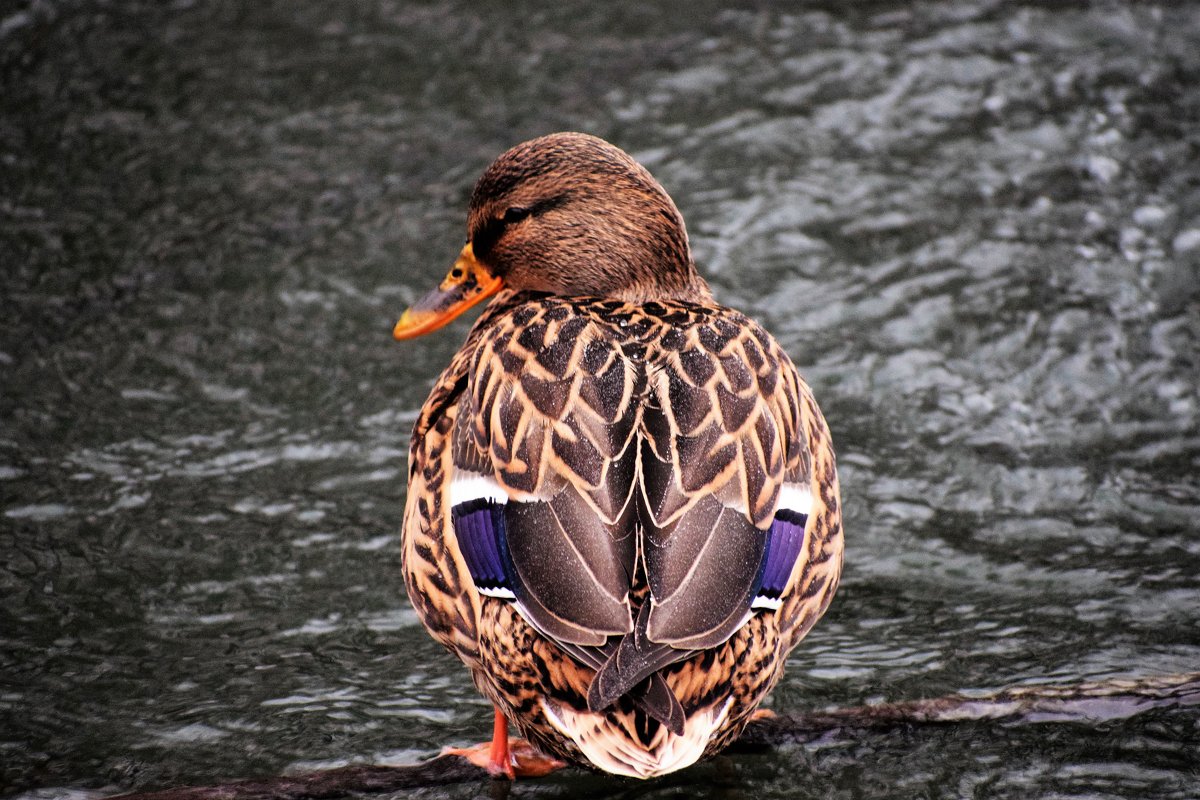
(976, 227)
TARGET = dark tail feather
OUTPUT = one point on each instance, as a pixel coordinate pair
(633, 670)
(657, 699)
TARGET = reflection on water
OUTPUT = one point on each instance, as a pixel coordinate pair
(974, 225)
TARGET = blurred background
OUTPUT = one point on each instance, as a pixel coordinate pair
(974, 225)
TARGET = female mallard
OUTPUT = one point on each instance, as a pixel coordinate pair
(622, 508)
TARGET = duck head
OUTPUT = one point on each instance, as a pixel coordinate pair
(566, 214)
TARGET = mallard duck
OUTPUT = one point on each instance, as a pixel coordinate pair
(623, 509)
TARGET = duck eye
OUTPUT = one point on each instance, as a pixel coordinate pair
(516, 214)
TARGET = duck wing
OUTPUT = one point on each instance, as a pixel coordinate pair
(617, 475)
(546, 442)
(725, 496)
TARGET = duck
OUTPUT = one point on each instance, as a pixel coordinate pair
(623, 509)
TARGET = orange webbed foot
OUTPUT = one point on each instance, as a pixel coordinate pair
(529, 763)
(507, 759)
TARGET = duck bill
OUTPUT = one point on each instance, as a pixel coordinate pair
(468, 283)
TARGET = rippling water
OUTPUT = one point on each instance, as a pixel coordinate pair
(976, 227)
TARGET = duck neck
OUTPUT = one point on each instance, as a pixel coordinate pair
(693, 289)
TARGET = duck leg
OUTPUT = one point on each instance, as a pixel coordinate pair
(504, 759)
(500, 761)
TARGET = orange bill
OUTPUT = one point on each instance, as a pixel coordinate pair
(467, 284)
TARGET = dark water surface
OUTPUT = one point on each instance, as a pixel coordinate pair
(974, 225)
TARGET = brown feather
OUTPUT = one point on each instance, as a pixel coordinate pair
(643, 435)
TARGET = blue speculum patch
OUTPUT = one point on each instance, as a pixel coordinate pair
(785, 537)
(483, 540)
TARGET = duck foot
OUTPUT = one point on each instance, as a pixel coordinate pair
(760, 714)
(505, 758)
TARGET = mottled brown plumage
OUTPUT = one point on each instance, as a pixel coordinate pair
(633, 446)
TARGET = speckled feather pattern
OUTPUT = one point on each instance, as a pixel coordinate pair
(589, 398)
